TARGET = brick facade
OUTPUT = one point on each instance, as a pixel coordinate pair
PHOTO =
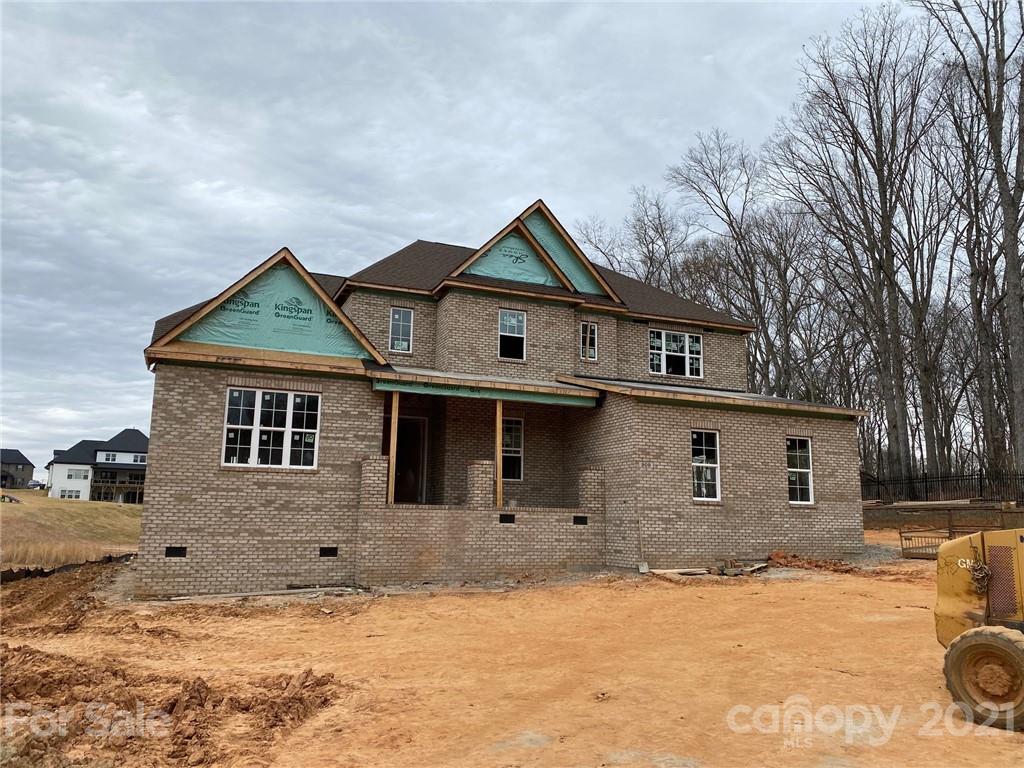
(371, 311)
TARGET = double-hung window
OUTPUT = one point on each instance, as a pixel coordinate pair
(270, 428)
(705, 462)
(799, 471)
(676, 354)
(511, 334)
(110, 457)
(400, 334)
(139, 458)
(588, 341)
(511, 449)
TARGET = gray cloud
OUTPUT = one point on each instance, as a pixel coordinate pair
(154, 153)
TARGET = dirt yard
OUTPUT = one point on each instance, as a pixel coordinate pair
(601, 671)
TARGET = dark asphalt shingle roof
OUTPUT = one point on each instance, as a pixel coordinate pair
(420, 265)
(13, 456)
(127, 441)
(82, 452)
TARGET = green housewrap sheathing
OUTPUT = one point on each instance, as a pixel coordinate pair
(512, 258)
(567, 261)
(448, 390)
(278, 311)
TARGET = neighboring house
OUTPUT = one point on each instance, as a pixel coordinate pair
(15, 469)
(454, 413)
(101, 470)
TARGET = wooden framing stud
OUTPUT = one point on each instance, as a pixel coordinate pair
(499, 490)
(392, 448)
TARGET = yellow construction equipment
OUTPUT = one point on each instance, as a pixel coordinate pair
(979, 619)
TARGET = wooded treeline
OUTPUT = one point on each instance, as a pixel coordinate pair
(873, 240)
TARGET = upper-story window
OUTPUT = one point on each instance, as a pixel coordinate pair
(511, 334)
(276, 429)
(78, 474)
(139, 458)
(400, 334)
(588, 341)
(110, 457)
(676, 354)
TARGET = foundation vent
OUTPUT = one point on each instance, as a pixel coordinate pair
(507, 518)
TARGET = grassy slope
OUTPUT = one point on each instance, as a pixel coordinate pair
(44, 531)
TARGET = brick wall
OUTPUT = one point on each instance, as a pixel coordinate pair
(725, 356)
(444, 543)
(371, 311)
(249, 529)
(754, 516)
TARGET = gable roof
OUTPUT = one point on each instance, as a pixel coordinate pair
(193, 315)
(13, 456)
(126, 441)
(419, 266)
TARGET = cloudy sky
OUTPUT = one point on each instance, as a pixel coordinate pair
(154, 153)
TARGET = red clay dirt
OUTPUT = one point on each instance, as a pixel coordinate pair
(610, 670)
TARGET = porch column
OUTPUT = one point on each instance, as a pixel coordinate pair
(392, 448)
(499, 490)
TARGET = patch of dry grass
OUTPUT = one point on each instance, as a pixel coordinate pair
(46, 532)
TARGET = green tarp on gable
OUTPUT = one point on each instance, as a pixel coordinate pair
(559, 251)
(279, 311)
(512, 258)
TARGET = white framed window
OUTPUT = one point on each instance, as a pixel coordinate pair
(268, 428)
(400, 330)
(800, 473)
(78, 474)
(704, 459)
(588, 340)
(139, 458)
(67, 494)
(511, 334)
(674, 353)
(110, 457)
(512, 449)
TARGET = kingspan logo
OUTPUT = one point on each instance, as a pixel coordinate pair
(241, 302)
(293, 307)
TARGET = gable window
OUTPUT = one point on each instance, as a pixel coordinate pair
(799, 472)
(704, 460)
(511, 334)
(273, 429)
(588, 341)
(676, 354)
(511, 449)
(139, 458)
(110, 457)
(400, 334)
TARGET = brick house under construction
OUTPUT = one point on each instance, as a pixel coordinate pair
(467, 413)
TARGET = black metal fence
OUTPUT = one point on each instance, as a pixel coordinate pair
(992, 486)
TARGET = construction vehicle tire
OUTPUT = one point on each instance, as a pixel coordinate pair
(985, 674)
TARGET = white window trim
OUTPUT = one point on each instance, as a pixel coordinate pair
(717, 466)
(522, 450)
(809, 471)
(513, 335)
(254, 445)
(107, 457)
(664, 363)
(585, 324)
(412, 325)
(139, 458)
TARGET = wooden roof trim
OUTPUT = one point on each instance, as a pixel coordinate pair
(693, 322)
(380, 287)
(639, 391)
(518, 227)
(455, 381)
(541, 206)
(196, 352)
(282, 255)
(454, 283)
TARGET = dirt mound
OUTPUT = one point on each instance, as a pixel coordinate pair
(55, 604)
(98, 709)
(781, 559)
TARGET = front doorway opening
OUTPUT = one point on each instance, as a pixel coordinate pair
(410, 458)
